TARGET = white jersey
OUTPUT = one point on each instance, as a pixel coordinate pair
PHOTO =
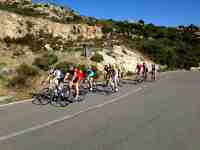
(58, 74)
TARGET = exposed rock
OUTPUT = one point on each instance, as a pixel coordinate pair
(15, 1)
(128, 59)
(17, 26)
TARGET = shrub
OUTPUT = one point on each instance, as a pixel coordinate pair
(2, 65)
(98, 72)
(82, 67)
(25, 11)
(45, 61)
(30, 25)
(97, 58)
(106, 30)
(129, 73)
(24, 72)
(64, 66)
(18, 80)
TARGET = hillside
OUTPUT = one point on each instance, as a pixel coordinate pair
(34, 37)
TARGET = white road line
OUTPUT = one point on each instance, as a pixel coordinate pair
(14, 103)
(67, 117)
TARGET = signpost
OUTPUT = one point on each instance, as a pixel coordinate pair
(87, 53)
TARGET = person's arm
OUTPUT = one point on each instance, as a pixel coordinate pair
(136, 69)
(66, 77)
(74, 76)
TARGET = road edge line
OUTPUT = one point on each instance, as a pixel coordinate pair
(66, 117)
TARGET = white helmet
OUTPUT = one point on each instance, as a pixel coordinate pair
(51, 71)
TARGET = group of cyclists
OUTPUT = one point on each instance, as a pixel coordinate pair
(75, 76)
(142, 70)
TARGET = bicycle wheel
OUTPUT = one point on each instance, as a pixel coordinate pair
(62, 102)
(40, 99)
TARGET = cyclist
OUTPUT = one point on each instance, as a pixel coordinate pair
(75, 76)
(54, 80)
(112, 77)
(59, 78)
(144, 71)
(138, 70)
(50, 80)
(90, 76)
(115, 76)
(107, 75)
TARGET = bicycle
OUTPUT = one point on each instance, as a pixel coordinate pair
(70, 94)
(51, 96)
(41, 98)
(139, 78)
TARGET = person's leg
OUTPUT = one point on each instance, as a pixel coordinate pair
(57, 82)
(60, 84)
(118, 79)
(154, 75)
(88, 82)
(111, 83)
(146, 75)
(70, 88)
(56, 86)
(77, 90)
(107, 78)
(92, 83)
(116, 82)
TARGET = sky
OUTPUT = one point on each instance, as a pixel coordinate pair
(158, 12)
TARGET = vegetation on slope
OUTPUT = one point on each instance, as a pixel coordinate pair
(175, 47)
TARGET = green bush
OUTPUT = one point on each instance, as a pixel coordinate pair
(129, 73)
(97, 58)
(24, 72)
(106, 30)
(82, 67)
(2, 65)
(17, 81)
(25, 11)
(44, 62)
(3, 78)
(64, 66)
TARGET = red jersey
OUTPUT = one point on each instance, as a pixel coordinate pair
(79, 74)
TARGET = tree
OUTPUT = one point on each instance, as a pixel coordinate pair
(141, 22)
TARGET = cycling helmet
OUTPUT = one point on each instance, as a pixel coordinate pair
(51, 71)
(71, 67)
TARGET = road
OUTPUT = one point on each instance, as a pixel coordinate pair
(164, 115)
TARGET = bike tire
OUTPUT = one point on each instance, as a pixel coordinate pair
(40, 100)
(62, 101)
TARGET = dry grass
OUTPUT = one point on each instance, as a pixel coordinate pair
(35, 82)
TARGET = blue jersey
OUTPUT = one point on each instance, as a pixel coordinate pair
(90, 73)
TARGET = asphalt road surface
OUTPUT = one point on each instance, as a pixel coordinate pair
(164, 115)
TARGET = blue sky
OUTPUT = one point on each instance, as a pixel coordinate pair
(159, 12)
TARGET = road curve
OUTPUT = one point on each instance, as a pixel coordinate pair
(164, 115)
